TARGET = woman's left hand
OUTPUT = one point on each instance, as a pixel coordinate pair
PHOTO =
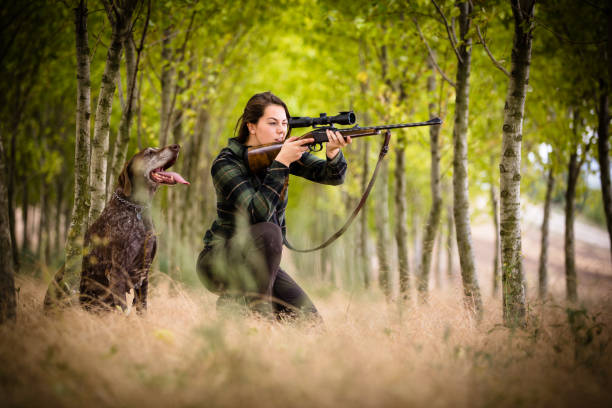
(336, 142)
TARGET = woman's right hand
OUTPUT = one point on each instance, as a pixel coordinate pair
(292, 150)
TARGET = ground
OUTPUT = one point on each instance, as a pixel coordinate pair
(369, 353)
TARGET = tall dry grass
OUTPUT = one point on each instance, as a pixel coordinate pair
(369, 353)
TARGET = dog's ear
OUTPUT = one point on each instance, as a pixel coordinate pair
(125, 181)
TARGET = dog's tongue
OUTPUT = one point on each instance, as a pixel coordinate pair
(175, 176)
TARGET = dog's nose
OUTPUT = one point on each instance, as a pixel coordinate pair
(175, 147)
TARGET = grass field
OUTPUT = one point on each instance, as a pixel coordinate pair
(368, 353)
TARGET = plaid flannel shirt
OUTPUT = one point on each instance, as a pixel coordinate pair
(259, 196)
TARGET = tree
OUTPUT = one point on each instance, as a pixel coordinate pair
(461, 206)
(8, 307)
(433, 221)
(513, 280)
(78, 220)
(120, 17)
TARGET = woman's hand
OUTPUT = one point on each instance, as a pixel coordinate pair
(292, 150)
(336, 142)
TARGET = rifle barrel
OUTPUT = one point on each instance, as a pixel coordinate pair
(430, 122)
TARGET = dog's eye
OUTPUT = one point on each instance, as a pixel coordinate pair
(148, 152)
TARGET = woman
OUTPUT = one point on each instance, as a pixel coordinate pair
(243, 247)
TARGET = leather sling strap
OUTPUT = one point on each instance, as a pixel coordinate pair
(383, 151)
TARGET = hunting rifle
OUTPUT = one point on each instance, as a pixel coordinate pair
(260, 157)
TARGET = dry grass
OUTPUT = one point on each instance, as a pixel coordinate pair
(368, 354)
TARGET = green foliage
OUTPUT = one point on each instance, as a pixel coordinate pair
(319, 56)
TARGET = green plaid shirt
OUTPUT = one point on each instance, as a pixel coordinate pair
(259, 196)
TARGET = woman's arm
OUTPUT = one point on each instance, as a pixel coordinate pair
(329, 171)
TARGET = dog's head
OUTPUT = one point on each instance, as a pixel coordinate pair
(146, 170)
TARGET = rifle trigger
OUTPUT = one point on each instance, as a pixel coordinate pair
(317, 147)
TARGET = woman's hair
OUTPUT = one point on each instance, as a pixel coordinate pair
(254, 110)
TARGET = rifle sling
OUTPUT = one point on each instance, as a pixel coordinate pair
(383, 151)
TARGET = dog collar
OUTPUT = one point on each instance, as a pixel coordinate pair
(138, 208)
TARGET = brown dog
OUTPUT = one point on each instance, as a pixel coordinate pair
(120, 245)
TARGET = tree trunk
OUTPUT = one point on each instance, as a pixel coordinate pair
(401, 222)
(495, 215)
(125, 124)
(58, 215)
(603, 147)
(10, 197)
(80, 209)
(431, 228)
(99, 144)
(120, 21)
(382, 237)
(363, 221)
(573, 171)
(542, 270)
(25, 244)
(461, 204)
(8, 305)
(438, 259)
(450, 224)
(513, 280)
(167, 85)
(43, 240)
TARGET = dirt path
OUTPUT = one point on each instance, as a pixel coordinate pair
(593, 263)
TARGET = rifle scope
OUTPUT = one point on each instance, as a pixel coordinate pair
(343, 118)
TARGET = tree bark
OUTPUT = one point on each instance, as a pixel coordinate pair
(431, 228)
(471, 289)
(450, 223)
(495, 216)
(167, 85)
(382, 237)
(80, 209)
(363, 220)
(513, 280)
(401, 222)
(542, 270)
(603, 148)
(25, 244)
(125, 124)
(573, 171)
(120, 21)
(58, 214)
(8, 305)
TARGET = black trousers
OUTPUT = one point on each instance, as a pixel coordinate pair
(247, 268)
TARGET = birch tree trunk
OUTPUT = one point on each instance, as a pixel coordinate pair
(363, 220)
(167, 85)
(513, 280)
(120, 19)
(401, 221)
(461, 205)
(78, 220)
(125, 124)
(8, 305)
(382, 237)
(543, 270)
(603, 148)
(495, 216)
(431, 228)
(25, 243)
(573, 170)
(450, 224)
(57, 222)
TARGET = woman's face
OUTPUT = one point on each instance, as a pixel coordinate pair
(270, 128)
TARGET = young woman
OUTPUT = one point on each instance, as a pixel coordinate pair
(243, 247)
